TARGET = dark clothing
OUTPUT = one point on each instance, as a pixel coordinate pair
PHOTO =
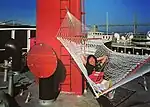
(90, 68)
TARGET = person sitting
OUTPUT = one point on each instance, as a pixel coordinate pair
(91, 64)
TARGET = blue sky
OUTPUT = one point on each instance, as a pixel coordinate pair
(21, 10)
(119, 11)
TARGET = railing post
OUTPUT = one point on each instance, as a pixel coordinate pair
(13, 34)
(28, 39)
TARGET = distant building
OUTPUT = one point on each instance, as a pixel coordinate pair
(96, 34)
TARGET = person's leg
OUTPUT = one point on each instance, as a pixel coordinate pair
(102, 100)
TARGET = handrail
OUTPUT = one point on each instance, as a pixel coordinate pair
(4, 49)
(17, 28)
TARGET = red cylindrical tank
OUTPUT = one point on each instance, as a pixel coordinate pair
(42, 60)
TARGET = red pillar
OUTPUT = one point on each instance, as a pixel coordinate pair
(76, 8)
(48, 23)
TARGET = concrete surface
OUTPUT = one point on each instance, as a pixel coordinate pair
(129, 95)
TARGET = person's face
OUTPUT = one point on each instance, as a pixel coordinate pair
(92, 61)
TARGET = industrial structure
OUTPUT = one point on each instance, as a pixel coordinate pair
(49, 18)
(55, 61)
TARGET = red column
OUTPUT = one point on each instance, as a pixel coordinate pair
(76, 8)
(76, 76)
(48, 23)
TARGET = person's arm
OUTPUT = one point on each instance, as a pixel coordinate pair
(83, 59)
(102, 59)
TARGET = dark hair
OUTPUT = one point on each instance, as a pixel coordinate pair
(88, 66)
(90, 56)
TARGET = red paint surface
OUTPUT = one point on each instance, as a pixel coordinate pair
(49, 16)
(42, 60)
(32, 42)
(76, 8)
(48, 23)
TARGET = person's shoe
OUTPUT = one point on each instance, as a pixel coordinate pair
(111, 94)
(85, 91)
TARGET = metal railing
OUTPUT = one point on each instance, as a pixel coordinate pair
(28, 30)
